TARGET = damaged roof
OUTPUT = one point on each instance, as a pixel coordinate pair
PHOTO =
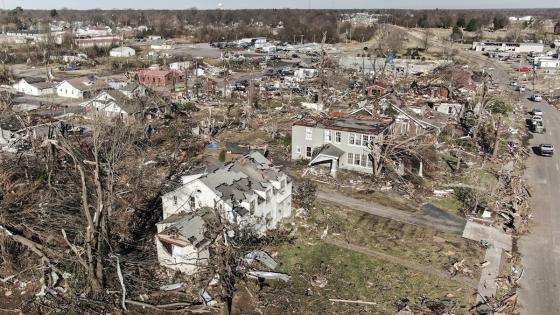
(85, 84)
(352, 123)
(237, 180)
(183, 228)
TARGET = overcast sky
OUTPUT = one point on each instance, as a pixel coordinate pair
(302, 4)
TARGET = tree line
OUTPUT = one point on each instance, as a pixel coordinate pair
(282, 24)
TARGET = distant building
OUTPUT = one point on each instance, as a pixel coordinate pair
(102, 41)
(252, 41)
(159, 77)
(133, 90)
(161, 45)
(521, 19)
(508, 47)
(80, 87)
(114, 104)
(73, 56)
(26, 36)
(548, 63)
(34, 86)
(180, 65)
(93, 31)
(122, 51)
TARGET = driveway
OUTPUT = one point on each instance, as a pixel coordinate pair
(428, 216)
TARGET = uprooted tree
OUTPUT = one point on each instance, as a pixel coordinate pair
(75, 204)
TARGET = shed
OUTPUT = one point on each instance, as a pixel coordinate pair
(122, 51)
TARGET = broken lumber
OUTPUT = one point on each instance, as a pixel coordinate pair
(352, 302)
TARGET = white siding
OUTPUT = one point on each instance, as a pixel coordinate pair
(66, 90)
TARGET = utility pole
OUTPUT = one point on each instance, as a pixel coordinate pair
(321, 71)
(364, 65)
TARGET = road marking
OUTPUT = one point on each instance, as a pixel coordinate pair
(557, 167)
(550, 132)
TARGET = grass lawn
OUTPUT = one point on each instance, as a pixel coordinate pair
(421, 245)
(352, 276)
(449, 203)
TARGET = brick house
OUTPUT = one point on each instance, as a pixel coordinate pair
(159, 77)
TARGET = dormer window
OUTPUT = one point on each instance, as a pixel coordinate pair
(192, 202)
(282, 184)
(175, 200)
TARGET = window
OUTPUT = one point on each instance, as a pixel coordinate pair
(175, 200)
(252, 207)
(351, 138)
(338, 137)
(350, 158)
(364, 160)
(268, 196)
(308, 152)
(308, 134)
(358, 140)
(328, 136)
(167, 247)
(282, 184)
(357, 158)
(365, 140)
(192, 202)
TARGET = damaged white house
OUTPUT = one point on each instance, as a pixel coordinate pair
(249, 192)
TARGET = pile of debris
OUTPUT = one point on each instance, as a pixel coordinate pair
(512, 205)
(503, 306)
(425, 306)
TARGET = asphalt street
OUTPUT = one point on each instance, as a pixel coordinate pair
(540, 250)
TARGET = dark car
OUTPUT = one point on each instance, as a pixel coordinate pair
(546, 150)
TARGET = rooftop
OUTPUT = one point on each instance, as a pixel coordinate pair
(354, 123)
(237, 180)
(184, 228)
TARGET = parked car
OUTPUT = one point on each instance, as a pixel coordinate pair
(521, 88)
(513, 83)
(546, 150)
(537, 112)
(538, 126)
(536, 98)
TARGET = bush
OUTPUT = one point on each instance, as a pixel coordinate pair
(222, 156)
(287, 140)
(305, 195)
(499, 106)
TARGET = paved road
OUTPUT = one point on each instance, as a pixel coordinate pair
(540, 250)
(429, 217)
(539, 291)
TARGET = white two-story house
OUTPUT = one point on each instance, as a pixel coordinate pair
(342, 142)
(248, 193)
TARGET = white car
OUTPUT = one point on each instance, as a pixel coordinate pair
(513, 83)
(521, 88)
(536, 98)
(537, 112)
(536, 118)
